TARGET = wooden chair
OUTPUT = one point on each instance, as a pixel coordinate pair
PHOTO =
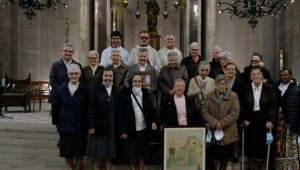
(43, 92)
(16, 93)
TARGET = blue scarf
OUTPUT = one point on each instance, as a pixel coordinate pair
(107, 86)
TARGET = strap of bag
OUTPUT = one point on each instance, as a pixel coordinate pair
(137, 102)
(199, 87)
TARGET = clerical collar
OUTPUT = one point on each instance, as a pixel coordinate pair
(115, 47)
(170, 49)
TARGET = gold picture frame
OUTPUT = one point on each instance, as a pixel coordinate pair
(147, 77)
(184, 146)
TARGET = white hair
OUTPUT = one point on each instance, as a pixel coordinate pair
(74, 67)
(68, 45)
(168, 35)
(219, 49)
(115, 51)
(94, 52)
(194, 44)
(225, 54)
(178, 80)
(172, 54)
(203, 63)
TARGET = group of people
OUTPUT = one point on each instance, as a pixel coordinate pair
(103, 111)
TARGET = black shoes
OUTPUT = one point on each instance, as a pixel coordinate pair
(58, 144)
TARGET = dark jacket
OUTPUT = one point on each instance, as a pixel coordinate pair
(267, 103)
(119, 74)
(168, 112)
(238, 87)
(98, 109)
(72, 112)
(57, 76)
(90, 79)
(167, 76)
(266, 74)
(292, 105)
(219, 70)
(213, 66)
(127, 116)
(192, 67)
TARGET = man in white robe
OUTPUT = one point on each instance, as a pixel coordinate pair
(152, 53)
(169, 46)
(116, 38)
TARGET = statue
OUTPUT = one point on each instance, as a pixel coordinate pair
(152, 10)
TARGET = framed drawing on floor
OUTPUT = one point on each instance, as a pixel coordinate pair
(147, 77)
(184, 148)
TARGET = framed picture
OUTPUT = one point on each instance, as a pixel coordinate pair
(147, 77)
(184, 148)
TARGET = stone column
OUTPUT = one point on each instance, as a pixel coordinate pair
(84, 31)
(210, 29)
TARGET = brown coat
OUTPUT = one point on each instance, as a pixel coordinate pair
(167, 76)
(119, 74)
(226, 113)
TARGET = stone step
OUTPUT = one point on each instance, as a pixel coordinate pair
(24, 162)
(27, 143)
(28, 131)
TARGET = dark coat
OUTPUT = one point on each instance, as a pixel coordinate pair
(266, 74)
(167, 76)
(98, 109)
(168, 113)
(92, 80)
(57, 76)
(267, 104)
(292, 105)
(213, 66)
(119, 74)
(127, 116)
(219, 70)
(72, 112)
(238, 87)
(192, 67)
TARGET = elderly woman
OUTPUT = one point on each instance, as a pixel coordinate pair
(169, 73)
(102, 110)
(92, 74)
(236, 85)
(220, 111)
(71, 101)
(179, 109)
(258, 114)
(201, 85)
(224, 58)
(192, 61)
(137, 118)
(256, 60)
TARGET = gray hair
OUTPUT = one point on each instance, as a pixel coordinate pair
(171, 54)
(74, 66)
(68, 45)
(116, 51)
(168, 35)
(194, 44)
(203, 63)
(142, 50)
(178, 80)
(219, 49)
(94, 52)
(225, 54)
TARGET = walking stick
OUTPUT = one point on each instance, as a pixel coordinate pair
(243, 147)
(268, 156)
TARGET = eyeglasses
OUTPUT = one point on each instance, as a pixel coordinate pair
(74, 74)
(67, 51)
(194, 50)
(144, 38)
(137, 81)
(93, 58)
(254, 61)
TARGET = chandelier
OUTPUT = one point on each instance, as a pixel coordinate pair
(254, 9)
(31, 5)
